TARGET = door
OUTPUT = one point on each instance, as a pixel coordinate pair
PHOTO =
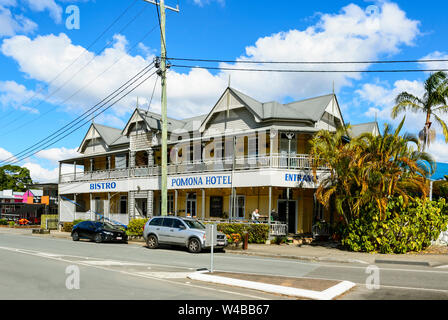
(240, 207)
(178, 232)
(164, 234)
(291, 218)
(191, 205)
(216, 207)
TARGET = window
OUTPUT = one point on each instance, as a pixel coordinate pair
(216, 207)
(167, 222)
(177, 224)
(191, 204)
(123, 205)
(156, 222)
(194, 224)
(240, 206)
(170, 201)
(120, 161)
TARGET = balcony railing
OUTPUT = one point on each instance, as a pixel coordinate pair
(298, 162)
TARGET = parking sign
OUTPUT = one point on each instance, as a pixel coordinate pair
(210, 235)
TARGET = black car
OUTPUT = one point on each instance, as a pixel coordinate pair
(99, 232)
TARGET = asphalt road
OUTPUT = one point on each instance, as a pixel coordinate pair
(35, 267)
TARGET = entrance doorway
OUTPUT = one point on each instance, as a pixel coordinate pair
(141, 207)
(291, 218)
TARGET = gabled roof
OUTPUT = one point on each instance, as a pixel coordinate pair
(111, 136)
(311, 109)
(369, 127)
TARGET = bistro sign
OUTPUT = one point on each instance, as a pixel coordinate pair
(103, 186)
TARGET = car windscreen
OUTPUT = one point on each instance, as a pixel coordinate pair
(106, 225)
(194, 224)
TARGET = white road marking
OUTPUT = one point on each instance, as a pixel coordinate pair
(318, 264)
(144, 275)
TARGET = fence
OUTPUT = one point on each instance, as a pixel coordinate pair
(49, 222)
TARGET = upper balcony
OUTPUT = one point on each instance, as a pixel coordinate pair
(275, 161)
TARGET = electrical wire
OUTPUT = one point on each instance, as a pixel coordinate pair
(309, 62)
(88, 84)
(307, 71)
(83, 53)
(82, 125)
(86, 114)
(81, 69)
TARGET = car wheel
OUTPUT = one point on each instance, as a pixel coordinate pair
(194, 246)
(152, 242)
(98, 238)
(75, 236)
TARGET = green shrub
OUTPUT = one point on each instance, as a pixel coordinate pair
(67, 226)
(3, 222)
(405, 229)
(258, 233)
(11, 224)
(135, 227)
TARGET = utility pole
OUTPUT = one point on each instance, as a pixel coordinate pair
(162, 73)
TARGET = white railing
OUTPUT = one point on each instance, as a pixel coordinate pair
(297, 162)
(278, 229)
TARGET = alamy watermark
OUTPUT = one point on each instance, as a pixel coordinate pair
(373, 280)
(73, 21)
(73, 280)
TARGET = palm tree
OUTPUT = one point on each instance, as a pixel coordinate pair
(369, 169)
(334, 151)
(432, 104)
(391, 165)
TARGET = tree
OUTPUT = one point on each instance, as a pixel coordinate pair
(391, 165)
(14, 178)
(432, 104)
(369, 169)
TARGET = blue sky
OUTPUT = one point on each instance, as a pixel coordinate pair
(35, 46)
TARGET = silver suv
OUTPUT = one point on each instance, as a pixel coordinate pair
(185, 232)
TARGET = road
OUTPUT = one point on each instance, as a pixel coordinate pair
(35, 267)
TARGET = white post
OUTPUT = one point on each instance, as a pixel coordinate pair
(212, 243)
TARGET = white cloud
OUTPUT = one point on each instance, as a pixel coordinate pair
(202, 3)
(51, 6)
(57, 154)
(381, 99)
(11, 24)
(5, 155)
(14, 95)
(40, 174)
(439, 150)
(361, 36)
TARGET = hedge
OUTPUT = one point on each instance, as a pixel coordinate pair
(135, 227)
(405, 228)
(3, 222)
(258, 233)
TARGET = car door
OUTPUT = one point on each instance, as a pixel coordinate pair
(89, 230)
(164, 232)
(82, 229)
(178, 232)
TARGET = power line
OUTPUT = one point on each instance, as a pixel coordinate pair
(81, 69)
(85, 115)
(81, 89)
(309, 62)
(82, 125)
(83, 53)
(308, 71)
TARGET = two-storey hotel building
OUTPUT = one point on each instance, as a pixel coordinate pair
(243, 155)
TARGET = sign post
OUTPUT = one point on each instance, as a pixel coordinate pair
(210, 235)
